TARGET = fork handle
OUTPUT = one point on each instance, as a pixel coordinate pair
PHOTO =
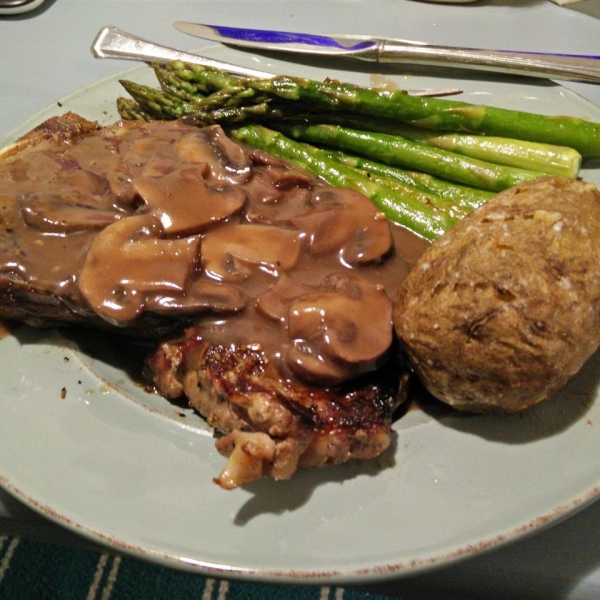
(112, 42)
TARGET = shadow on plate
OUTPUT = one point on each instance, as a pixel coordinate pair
(548, 418)
(276, 498)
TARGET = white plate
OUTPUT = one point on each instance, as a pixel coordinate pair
(128, 469)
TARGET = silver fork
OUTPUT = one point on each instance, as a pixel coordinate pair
(111, 42)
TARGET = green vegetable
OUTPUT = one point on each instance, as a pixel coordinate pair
(204, 80)
(438, 114)
(233, 115)
(409, 191)
(229, 105)
(199, 110)
(397, 151)
(174, 86)
(156, 102)
(463, 196)
(130, 110)
(545, 158)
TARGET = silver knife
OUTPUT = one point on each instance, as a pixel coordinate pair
(388, 50)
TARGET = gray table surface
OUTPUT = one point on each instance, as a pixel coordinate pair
(44, 56)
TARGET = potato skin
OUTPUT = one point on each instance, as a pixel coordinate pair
(504, 308)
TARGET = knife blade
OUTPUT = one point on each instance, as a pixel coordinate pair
(399, 51)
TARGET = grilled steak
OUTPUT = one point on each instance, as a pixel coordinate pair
(81, 245)
(22, 297)
(273, 424)
(280, 284)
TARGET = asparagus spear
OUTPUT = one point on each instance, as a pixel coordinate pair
(439, 114)
(174, 85)
(405, 187)
(156, 102)
(545, 158)
(164, 105)
(235, 115)
(226, 106)
(416, 216)
(409, 191)
(414, 155)
(177, 91)
(129, 109)
(463, 196)
(204, 80)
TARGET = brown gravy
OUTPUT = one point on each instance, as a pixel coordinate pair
(170, 219)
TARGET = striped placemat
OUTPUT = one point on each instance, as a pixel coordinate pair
(34, 570)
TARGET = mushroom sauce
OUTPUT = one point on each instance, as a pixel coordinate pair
(169, 219)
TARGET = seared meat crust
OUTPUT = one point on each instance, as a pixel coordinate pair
(273, 425)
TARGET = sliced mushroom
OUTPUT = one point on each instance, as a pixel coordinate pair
(67, 212)
(128, 261)
(260, 157)
(329, 228)
(119, 180)
(162, 164)
(261, 189)
(85, 182)
(229, 252)
(199, 296)
(184, 204)
(233, 152)
(274, 304)
(192, 147)
(285, 179)
(347, 324)
(143, 148)
(309, 365)
(74, 200)
(227, 161)
(347, 222)
(269, 203)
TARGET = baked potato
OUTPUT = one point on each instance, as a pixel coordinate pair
(504, 308)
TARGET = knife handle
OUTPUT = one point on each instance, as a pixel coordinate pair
(535, 64)
(111, 42)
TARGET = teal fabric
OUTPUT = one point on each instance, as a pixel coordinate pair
(32, 570)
